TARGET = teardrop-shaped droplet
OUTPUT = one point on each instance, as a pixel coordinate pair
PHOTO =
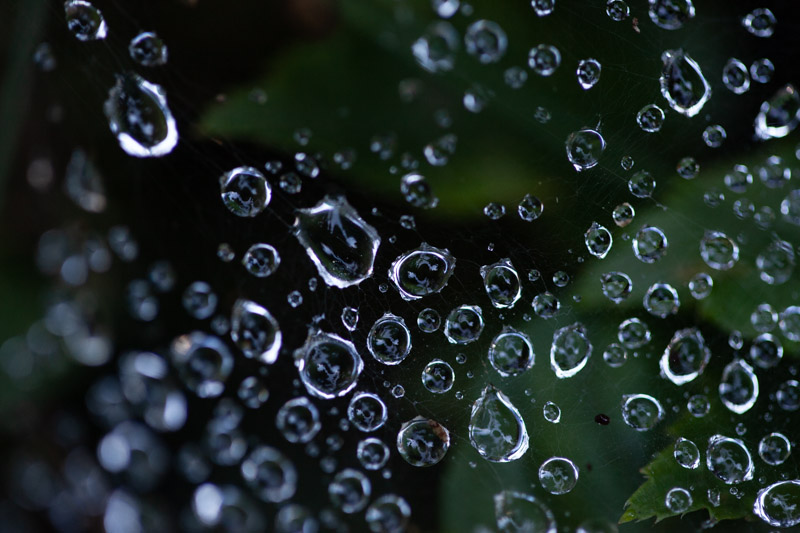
(686, 356)
(738, 388)
(779, 115)
(496, 428)
(779, 504)
(255, 331)
(328, 365)
(422, 271)
(570, 350)
(423, 442)
(338, 241)
(598, 240)
(139, 117)
(683, 83)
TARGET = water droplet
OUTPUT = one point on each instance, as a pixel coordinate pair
(502, 283)
(546, 305)
(569, 351)
(584, 148)
(678, 500)
(650, 118)
(511, 352)
(261, 260)
(788, 395)
(718, 250)
(85, 21)
(616, 286)
(544, 59)
(686, 453)
(438, 376)
(633, 333)
(349, 491)
(270, 474)
(517, 512)
(623, 214)
(698, 405)
(764, 318)
(558, 475)
(766, 351)
(714, 136)
(779, 504)
(551, 412)
(530, 208)
(148, 49)
(388, 514)
(760, 22)
(774, 449)
(437, 153)
(350, 318)
(683, 84)
(245, 191)
(253, 392)
(485, 40)
(515, 77)
(735, 76)
(366, 411)
(598, 240)
(496, 428)
(298, 420)
(372, 453)
(650, 244)
(729, 459)
(588, 73)
(389, 340)
(775, 263)
(464, 324)
(661, 300)
(328, 365)
(642, 184)
(436, 48)
(203, 363)
(422, 271)
(779, 115)
(688, 168)
(790, 323)
(670, 14)
(615, 355)
(738, 388)
(338, 241)
(700, 286)
(543, 8)
(761, 70)
(423, 442)
(255, 331)
(617, 10)
(641, 411)
(139, 118)
(685, 357)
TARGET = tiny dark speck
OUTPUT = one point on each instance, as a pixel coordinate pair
(602, 419)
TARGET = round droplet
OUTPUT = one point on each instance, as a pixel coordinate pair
(261, 260)
(650, 244)
(511, 352)
(686, 453)
(766, 351)
(617, 10)
(255, 331)
(729, 459)
(558, 475)
(598, 240)
(245, 191)
(761, 70)
(148, 49)
(388, 514)
(700, 286)
(544, 59)
(790, 323)
(389, 340)
(429, 320)
(775, 263)
(615, 355)
(438, 376)
(698, 405)
(735, 76)
(764, 318)
(760, 22)
(551, 412)
(270, 474)
(85, 21)
(678, 500)
(350, 491)
(543, 8)
(779, 504)
(650, 118)
(687, 168)
(350, 318)
(588, 73)
(616, 286)
(788, 395)
(779, 115)
(494, 210)
(623, 214)
(366, 411)
(328, 365)
(584, 148)
(569, 351)
(199, 300)
(714, 136)
(661, 300)
(464, 324)
(738, 388)
(422, 271)
(423, 442)
(435, 50)
(139, 117)
(517, 512)
(496, 428)
(486, 41)
(372, 453)
(641, 411)
(774, 449)
(203, 363)
(546, 305)
(530, 208)
(682, 82)
(685, 357)
(642, 184)
(670, 14)
(633, 333)
(718, 250)
(298, 420)
(502, 283)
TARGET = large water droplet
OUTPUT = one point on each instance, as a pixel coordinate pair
(517, 512)
(598, 240)
(738, 388)
(686, 356)
(558, 475)
(329, 366)
(496, 428)
(511, 352)
(779, 115)
(423, 442)
(255, 331)
(464, 324)
(366, 411)
(670, 14)
(570, 350)
(139, 117)
(422, 271)
(388, 514)
(349, 491)
(683, 83)
(776, 263)
(584, 148)
(661, 300)
(588, 73)
(779, 504)
(85, 21)
(650, 244)
(641, 411)
(729, 459)
(338, 241)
